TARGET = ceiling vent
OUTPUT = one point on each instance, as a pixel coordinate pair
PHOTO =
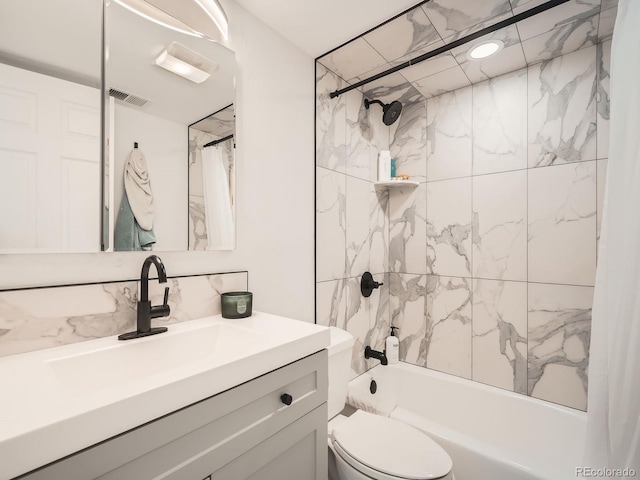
(127, 97)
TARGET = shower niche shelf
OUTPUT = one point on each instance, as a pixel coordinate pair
(384, 184)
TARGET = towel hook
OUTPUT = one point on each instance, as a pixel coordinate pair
(135, 144)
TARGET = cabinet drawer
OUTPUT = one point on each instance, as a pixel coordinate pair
(227, 424)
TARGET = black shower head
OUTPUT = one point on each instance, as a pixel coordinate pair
(390, 111)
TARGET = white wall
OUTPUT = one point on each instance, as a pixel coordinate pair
(275, 102)
(166, 149)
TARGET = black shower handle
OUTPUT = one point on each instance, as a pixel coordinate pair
(368, 284)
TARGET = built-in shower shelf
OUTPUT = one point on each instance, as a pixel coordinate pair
(396, 184)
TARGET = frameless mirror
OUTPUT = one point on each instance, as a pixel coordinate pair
(50, 67)
(53, 198)
(159, 81)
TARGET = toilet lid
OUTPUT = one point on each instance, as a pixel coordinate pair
(392, 447)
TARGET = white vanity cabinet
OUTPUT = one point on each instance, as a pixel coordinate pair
(247, 432)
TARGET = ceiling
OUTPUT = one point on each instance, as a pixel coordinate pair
(565, 28)
(319, 26)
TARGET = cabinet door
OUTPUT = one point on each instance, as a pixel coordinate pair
(297, 452)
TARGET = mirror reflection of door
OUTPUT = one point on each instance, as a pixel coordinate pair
(50, 126)
(212, 182)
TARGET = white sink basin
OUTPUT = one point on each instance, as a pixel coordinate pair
(132, 360)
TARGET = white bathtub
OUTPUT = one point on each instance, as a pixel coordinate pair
(490, 433)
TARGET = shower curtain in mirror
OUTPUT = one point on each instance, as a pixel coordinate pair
(613, 428)
(217, 202)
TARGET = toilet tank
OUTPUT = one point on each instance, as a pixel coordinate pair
(339, 350)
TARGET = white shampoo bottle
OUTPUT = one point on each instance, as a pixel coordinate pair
(384, 165)
(392, 347)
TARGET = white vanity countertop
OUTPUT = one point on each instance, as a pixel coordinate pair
(57, 401)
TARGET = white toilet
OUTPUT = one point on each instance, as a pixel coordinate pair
(365, 446)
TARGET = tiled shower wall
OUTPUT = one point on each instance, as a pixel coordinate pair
(33, 319)
(351, 216)
(491, 259)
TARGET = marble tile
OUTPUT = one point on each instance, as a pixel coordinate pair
(448, 328)
(452, 16)
(500, 334)
(442, 82)
(449, 227)
(358, 223)
(500, 226)
(508, 60)
(378, 230)
(379, 316)
(559, 337)
(198, 236)
(601, 183)
(357, 323)
(330, 303)
(449, 135)
(195, 296)
(353, 59)
(519, 3)
(380, 139)
(606, 24)
(408, 34)
(408, 313)
(562, 224)
(603, 98)
(340, 304)
(562, 113)
(566, 39)
(487, 22)
(500, 124)
(409, 137)
(555, 17)
(50, 317)
(370, 73)
(607, 4)
(407, 229)
(359, 136)
(34, 319)
(330, 224)
(330, 121)
(423, 69)
(390, 88)
(196, 140)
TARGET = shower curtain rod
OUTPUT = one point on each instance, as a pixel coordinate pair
(216, 142)
(450, 46)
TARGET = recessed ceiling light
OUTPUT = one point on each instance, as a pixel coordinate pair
(484, 50)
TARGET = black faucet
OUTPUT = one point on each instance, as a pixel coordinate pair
(145, 311)
(371, 353)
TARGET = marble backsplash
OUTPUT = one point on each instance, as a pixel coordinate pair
(33, 319)
(490, 262)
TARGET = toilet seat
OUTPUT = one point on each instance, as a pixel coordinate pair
(386, 449)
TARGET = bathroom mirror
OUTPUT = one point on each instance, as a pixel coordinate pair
(212, 182)
(50, 67)
(158, 82)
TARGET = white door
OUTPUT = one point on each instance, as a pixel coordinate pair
(49, 164)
